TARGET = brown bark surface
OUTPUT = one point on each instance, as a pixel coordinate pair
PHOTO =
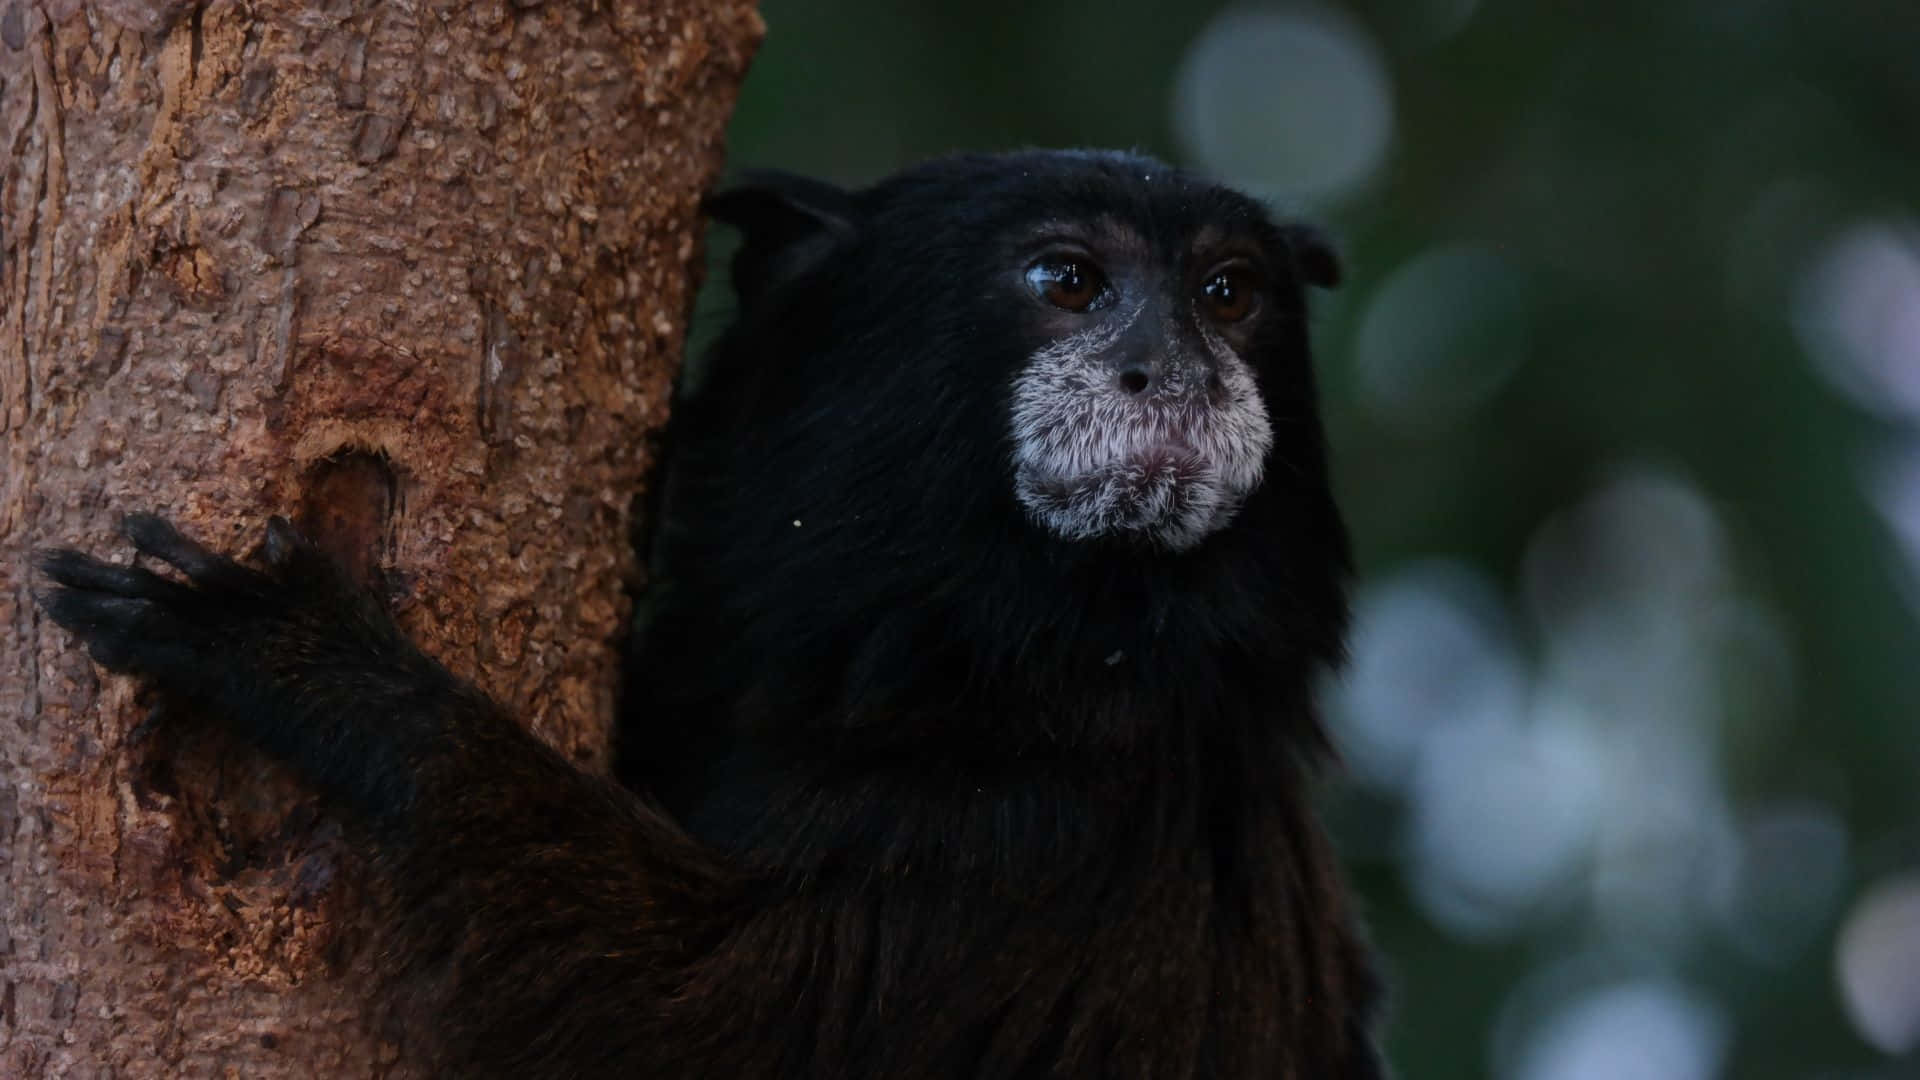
(415, 273)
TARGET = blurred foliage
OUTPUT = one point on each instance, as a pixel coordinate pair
(1653, 184)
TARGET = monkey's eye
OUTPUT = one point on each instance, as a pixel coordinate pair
(1230, 293)
(1070, 283)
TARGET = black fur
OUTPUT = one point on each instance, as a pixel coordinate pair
(965, 800)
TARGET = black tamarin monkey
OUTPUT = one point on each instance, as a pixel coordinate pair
(973, 720)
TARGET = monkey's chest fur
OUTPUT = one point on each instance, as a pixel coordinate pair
(1114, 929)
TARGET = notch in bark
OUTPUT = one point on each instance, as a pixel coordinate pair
(348, 506)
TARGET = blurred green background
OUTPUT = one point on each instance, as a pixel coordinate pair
(1624, 392)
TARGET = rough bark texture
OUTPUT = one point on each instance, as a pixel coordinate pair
(413, 272)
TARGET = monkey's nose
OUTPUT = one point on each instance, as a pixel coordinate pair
(1158, 378)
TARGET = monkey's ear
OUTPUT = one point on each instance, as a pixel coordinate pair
(1315, 258)
(787, 224)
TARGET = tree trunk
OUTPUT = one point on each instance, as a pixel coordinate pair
(414, 273)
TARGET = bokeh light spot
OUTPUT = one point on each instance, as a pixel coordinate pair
(1293, 102)
(1502, 818)
(1878, 954)
(1440, 336)
(1858, 311)
(1429, 650)
(1647, 1030)
(1785, 882)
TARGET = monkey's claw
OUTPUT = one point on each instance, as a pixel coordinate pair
(129, 618)
(176, 633)
(154, 535)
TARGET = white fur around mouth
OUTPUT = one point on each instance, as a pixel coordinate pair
(1091, 460)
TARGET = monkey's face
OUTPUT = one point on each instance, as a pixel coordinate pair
(1000, 421)
(1138, 414)
(1081, 348)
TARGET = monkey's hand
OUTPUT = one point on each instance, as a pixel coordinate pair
(528, 883)
(195, 638)
(294, 657)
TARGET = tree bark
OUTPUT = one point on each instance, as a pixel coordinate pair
(413, 272)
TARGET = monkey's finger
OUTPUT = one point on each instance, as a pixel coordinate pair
(286, 546)
(89, 614)
(77, 571)
(154, 535)
(123, 633)
(295, 561)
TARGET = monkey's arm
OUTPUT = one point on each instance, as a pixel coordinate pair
(550, 907)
